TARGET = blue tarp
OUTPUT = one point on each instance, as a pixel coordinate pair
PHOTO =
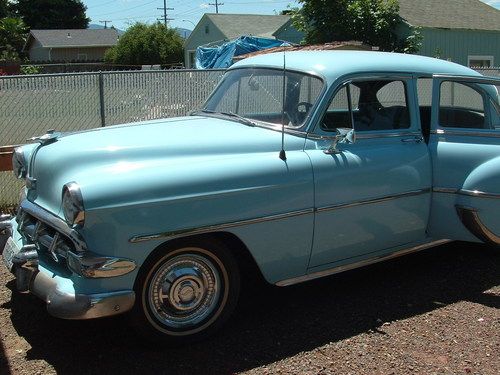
(222, 56)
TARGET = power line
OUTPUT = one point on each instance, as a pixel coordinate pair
(165, 18)
(216, 5)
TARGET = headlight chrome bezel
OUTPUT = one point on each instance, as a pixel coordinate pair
(72, 204)
(19, 164)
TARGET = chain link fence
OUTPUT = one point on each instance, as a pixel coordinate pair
(30, 105)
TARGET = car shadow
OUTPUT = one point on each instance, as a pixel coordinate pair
(271, 323)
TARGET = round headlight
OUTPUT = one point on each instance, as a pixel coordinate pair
(72, 204)
(19, 163)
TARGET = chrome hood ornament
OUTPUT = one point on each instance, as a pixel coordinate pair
(50, 137)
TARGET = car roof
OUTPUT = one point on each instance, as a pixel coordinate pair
(334, 64)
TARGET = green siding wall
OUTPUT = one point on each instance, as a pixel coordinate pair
(457, 45)
(290, 34)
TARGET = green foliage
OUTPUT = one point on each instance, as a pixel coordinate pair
(12, 38)
(52, 14)
(374, 22)
(4, 8)
(147, 44)
(30, 69)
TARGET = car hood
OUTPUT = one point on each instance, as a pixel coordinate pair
(138, 150)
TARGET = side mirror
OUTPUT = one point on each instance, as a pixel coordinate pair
(345, 136)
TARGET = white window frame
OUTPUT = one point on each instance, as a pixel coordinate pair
(481, 57)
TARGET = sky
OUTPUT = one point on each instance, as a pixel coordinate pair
(185, 13)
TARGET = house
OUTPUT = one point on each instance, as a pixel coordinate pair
(219, 28)
(69, 45)
(463, 31)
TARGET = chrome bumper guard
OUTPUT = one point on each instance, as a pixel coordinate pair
(67, 305)
(29, 279)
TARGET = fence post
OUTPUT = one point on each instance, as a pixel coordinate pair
(101, 99)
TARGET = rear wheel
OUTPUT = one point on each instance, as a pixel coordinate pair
(187, 291)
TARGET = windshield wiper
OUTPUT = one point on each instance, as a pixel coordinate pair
(242, 119)
(198, 111)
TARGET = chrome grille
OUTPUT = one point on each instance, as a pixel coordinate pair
(46, 239)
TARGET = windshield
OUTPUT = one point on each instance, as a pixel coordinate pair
(257, 94)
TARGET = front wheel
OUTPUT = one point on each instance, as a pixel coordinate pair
(186, 291)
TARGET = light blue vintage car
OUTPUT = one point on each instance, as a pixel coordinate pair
(335, 161)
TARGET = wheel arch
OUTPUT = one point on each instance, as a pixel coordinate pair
(246, 262)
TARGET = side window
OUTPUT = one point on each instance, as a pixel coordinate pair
(461, 106)
(338, 114)
(376, 105)
(382, 106)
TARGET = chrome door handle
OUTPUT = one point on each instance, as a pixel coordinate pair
(416, 139)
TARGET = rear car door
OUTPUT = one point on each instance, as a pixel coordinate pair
(465, 151)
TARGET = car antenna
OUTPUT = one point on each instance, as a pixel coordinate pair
(282, 151)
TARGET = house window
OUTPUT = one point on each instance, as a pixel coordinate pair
(207, 29)
(191, 59)
(82, 57)
(481, 61)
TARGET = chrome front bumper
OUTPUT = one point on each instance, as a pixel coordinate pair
(63, 302)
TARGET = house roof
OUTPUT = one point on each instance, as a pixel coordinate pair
(235, 25)
(450, 14)
(75, 38)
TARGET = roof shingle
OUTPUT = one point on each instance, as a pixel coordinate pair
(235, 25)
(450, 14)
(76, 37)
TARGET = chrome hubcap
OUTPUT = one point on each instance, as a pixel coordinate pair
(184, 291)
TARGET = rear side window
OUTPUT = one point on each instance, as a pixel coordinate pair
(461, 106)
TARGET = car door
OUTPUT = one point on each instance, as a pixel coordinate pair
(373, 195)
(465, 151)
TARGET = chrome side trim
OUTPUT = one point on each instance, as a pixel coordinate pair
(374, 200)
(444, 190)
(470, 193)
(347, 267)
(55, 222)
(218, 227)
(213, 228)
(478, 193)
(467, 133)
(471, 220)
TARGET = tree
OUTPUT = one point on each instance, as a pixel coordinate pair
(52, 14)
(4, 8)
(147, 44)
(374, 22)
(12, 38)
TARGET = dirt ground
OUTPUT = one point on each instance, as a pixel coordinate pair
(436, 312)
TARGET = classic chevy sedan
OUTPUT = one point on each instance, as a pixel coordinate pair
(298, 166)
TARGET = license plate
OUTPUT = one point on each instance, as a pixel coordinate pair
(9, 251)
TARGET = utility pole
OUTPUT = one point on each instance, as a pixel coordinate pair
(216, 5)
(105, 22)
(165, 18)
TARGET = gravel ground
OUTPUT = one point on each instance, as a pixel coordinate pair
(436, 312)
